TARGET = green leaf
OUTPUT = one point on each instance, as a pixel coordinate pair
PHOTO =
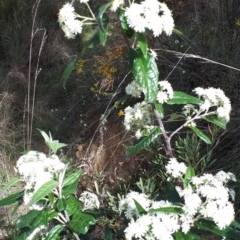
(217, 121)
(176, 210)
(54, 233)
(51, 214)
(28, 219)
(103, 21)
(140, 209)
(54, 145)
(73, 205)
(61, 204)
(40, 220)
(9, 184)
(72, 178)
(11, 199)
(188, 236)
(183, 98)
(171, 193)
(201, 135)
(146, 73)
(16, 207)
(159, 108)
(51, 198)
(210, 226)
(44, 190)
(129, 32)
(145, 142)
(81, 221)
(142, 42)
(179, 236)
(68, 70)
(45, 136)
(189, 173)
(70, 189)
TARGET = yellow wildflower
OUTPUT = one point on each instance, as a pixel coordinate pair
(79, 66)
(121, 113)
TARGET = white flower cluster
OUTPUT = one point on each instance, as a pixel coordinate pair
(215, 98)
(138, 117)
(206, 196)
(157, 225)
(176, 169)
(116, 4)
(165, 91)
(89, 200)
(134, 89)
(35, 169)
(150, 14)
(68, 22)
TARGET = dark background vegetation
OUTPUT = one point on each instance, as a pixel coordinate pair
(205, 52)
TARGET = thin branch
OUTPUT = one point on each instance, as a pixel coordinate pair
(166, 138)
(185, 55)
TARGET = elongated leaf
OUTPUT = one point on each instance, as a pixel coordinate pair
(176, 210)
(103, 20)
(54, 145)
(16, 207)
(145, 142)
(146, 73)
(129, 32)
(171, 193)
(81, 222)
(70, 189)
(142, 42)
(11, 199)
(73, 205)
(215, 120)
(201, 135)
(183, 98)
(68, 70)
(51, 214)
(45, 136)
(54, 233)
(72, 178)
(159, 108)
(140, 209)
(228, 232)
(189, 173)
(27, 219)
(61, 204)
(9, 184)
(44, 190)
(188, 236)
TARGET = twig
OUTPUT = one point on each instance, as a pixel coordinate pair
(166, 138)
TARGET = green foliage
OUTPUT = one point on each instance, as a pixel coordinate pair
(201, 135)
(54, 145)
(103, 20)
(144, 142)
(44, 190)
(191, 151)
(11, 199)
(145, 71)
(183, 98)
